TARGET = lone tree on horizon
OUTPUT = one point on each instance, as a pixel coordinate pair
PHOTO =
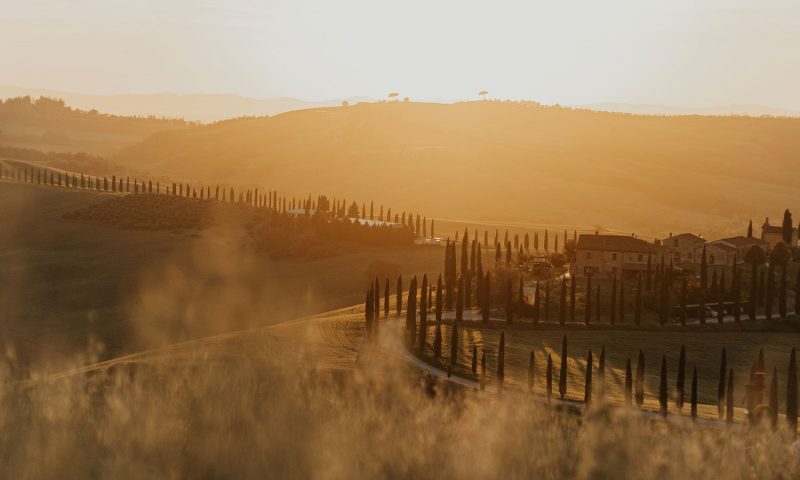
(483, 94)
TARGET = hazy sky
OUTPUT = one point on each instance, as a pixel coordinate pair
(679, 52)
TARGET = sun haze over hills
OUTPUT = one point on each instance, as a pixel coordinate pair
(201, 107)
(49, 124)
(506, 162)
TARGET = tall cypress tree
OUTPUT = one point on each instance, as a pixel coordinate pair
(509, 303)
(439, 299)
(549, 376)
(562, 379)
(474, 358)
(399, 295)
(694, 393)
(451, 279)
(729, 399)
(791, 394)
(501, 362)
(386, 298)
(531, 371)
(468, 278)
(464, 253)
(601, 371)
(681, 379)
(587, 313)
(487, 298)
(773, 399)
(572, 299)
(612, 310)
(437, 340)
(377, 298)
(753, 291)
(703, 286)
(640, 380)
(460, 300)
(411, 312)
(662, 387)
(483, 370)
(770, 291)
(562, 302)
(423, 313)
(587, 389)
(368, 305)
(598, 299)
(787, 229)
(663, 303)
(721, 386)
(628, 383)
(797, 294)
(714, 288)
(750, 229)
(736, 286)
(454, 344)
(782, 292)
(621, 299)
(683, 302)
(547, 301)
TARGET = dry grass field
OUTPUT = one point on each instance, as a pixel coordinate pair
(67, 284)
(703, 351)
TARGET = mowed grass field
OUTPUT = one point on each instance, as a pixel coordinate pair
(703, 351)
(67, 286)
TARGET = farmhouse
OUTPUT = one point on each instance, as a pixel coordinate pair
(720, 254)
(740, 245)
(683, 249)
(610, 254)
(772, 234)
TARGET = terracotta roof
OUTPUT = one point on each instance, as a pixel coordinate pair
(687, 236)
(613, 243)
(741, 242)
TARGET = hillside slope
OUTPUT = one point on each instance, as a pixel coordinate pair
(68, 285)
(506, 161)
(50, 125)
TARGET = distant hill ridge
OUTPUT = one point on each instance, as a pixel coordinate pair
(193, 107)
(508, 161)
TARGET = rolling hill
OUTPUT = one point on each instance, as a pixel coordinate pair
(506, 162)
(50, 125)
(199, 107)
